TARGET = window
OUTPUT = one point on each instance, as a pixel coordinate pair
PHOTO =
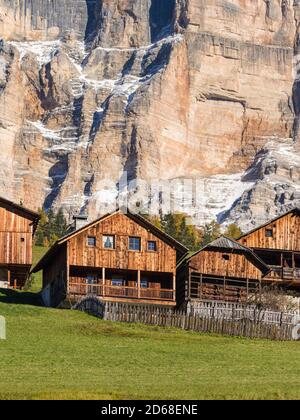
(134, 243)
(91, 241)
(152, 246)
(91, 282)
(117, 281)
(91, 279)
(269, 233)
(297, 260)
(144, 284)
(225, 257)
(108, 242)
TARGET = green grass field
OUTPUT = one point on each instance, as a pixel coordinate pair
(68, 355)
(38, 252)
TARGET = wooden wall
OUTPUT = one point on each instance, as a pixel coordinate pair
(15, 238)
(286, 235)
(80, 254)
(56, 276)
(212, 263)
(52, 271)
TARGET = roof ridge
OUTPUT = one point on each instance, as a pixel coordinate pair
(19, 207)
(211, 244)
(296, 208)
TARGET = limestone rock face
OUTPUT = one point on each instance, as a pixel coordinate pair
(201, 93)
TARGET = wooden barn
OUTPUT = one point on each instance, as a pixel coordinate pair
(224, 270)
(17, 227)
(277, 243)
(119, 257)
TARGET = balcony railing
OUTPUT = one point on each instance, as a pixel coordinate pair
(82, 289)
(285, 273)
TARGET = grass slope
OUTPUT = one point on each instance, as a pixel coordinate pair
(37, 253)
(66, 354)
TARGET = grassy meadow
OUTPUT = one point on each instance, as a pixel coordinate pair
(60, 354)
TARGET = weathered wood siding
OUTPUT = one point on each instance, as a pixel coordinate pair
(121, 258)
(15, 238)
(213, 263)
(286, 235)
(55, 276)
(52, 272)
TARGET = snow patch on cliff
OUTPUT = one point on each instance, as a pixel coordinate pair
(276, 185)
(172, 39)
(209, 198)
(3, 69)
(220, 192)
(44, 51)
(62, 140)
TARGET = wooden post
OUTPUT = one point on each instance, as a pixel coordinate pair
(103, 281)
(293, 264)
(201, 286)
(67, 270)
(189, 284)
(139, 283)
(15, 283)
(260, 291)
(8, 278)
(174, 287)
(247, 289)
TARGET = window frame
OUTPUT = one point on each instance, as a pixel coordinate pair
(114, 242)
(144, 284)
(140, 243)
(116, 279)
(94, 239)
(155, 246)
(269, 233)
(91, 280)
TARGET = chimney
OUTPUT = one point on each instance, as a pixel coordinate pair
(79, 221)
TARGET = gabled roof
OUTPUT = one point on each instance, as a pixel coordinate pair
(135, 217)
(21, 211)
(31, 215)
(295, 210)
(224, 242)
(227, 244)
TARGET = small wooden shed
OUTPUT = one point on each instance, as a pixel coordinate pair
(223, 270)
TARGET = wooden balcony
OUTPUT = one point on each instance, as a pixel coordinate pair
(284, 273)
(124, 292)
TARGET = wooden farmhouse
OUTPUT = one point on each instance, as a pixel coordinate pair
(17, 227)
(119, 257)
(277, 243)
(224, 270)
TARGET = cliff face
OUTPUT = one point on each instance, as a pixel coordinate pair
(203, 93)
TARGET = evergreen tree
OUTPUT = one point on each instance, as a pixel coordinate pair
(40, 232)
(52, 226)
(233, 231)
(60, 224)
(210, 232)
(177, 225)
(155, 220)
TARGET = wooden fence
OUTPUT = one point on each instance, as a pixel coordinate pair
(215, 309)
(165, 317)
